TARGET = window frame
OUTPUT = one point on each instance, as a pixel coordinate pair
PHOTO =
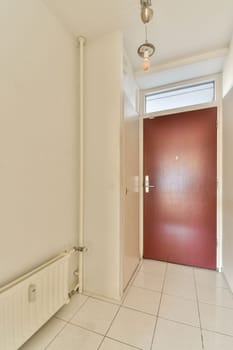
(212, 78)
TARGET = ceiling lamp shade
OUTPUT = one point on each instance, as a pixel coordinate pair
(145, 51)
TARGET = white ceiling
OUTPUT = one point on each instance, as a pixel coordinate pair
(162, 75)
(180, 29)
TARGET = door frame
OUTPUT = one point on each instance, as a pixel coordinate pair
(217, 103)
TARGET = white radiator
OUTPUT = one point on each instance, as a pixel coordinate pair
(30, 301)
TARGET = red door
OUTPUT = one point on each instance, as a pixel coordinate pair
(180, 158)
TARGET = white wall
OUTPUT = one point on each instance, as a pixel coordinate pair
(130, 149)
(228, 187)
(130, 174)
(228, 71)
(102, 165)
(227, 213)
(38, 137)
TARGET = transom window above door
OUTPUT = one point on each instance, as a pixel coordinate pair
(181, 96)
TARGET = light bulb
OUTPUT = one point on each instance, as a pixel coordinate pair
(146, 64)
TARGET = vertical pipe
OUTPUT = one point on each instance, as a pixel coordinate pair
(141, 173)
(218, 84)
(81, 42)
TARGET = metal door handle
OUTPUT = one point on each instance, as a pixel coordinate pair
(147, 184)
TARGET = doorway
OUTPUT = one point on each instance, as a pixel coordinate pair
(180, 175)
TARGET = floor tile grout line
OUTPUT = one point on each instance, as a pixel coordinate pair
(101, 334)
(86, 329)
(136, 272)
(219, 333)
(204, 285)
(180, 296)
(140, 311)
(155, 315)
(105, 301)
(66, 324)
(122, 306)
(127, 292)
(109, 302)
(217, 287)
(159, 317)
(179, 322)
(105, 336)
(52, 340)
(198, 309)
(109, 327)
(156, 322)
(131, 282)
(81, 306)
(217, 305)
(152, 290)
(151, 273)
(78, 309)
(121, 342)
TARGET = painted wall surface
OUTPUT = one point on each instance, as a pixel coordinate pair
(228, 187)
(228, 71)
(38, 137)
(130, 191)
(102, 165)
(130, 173)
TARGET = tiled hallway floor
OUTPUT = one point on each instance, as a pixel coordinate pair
(167, 307)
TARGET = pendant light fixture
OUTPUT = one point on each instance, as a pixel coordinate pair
(146, 50)
(146, 11)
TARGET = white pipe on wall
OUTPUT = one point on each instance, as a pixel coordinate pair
(81, 42)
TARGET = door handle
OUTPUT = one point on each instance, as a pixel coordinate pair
(147, 184)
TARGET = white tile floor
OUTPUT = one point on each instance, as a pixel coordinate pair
(167, 307)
